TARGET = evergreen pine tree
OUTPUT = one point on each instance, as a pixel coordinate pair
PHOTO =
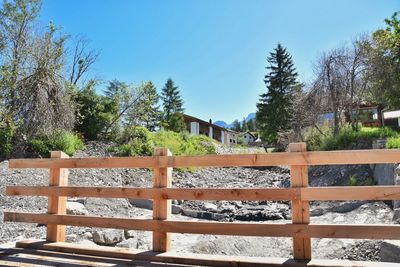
(245, 126)
(173, 108)
(275, 108)
(251, 125)
(236, 126)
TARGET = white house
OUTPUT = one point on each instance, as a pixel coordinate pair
(248, 138)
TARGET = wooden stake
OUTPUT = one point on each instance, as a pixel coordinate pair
(162, 207)
(57, 204)
(300, 209)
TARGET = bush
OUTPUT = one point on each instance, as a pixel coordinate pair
(138, 141)
(60, 140)
(348, 138)
(393, 142)
(7, 133)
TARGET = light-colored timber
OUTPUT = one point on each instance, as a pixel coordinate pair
(300, 208)
(273, 159)
(161, 193)
(57, 204)
(384, 192)
(189, 258)
(161, 207)
(355, 231)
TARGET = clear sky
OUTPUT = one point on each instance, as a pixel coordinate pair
(214, 50)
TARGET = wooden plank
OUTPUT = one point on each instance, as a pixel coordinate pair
(252, 194)
(351, 193)
(300, 208)
(162, 207)
(72, 163)
(78, 220)
(57, 204)
(273, 159)
(353, 231)
(189, 258)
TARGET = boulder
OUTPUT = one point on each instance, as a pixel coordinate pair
(76, 208)
(108, 237)
(390, 251)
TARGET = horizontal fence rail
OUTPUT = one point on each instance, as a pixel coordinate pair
(252, 194)
(301, 230)
(272, 159)
(376, 231)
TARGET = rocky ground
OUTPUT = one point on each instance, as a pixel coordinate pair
(321, 212)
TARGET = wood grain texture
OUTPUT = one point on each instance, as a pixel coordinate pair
(353, 231)
(300, 208)
(57, 204)
(162, 178)
(273, 159)
(185, 258)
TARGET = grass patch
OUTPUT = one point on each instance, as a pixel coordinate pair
(349, 139)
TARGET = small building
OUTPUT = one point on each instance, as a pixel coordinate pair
(392, 118)
(248, 138)
(197, 126)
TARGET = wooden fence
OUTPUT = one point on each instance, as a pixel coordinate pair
(301, 230)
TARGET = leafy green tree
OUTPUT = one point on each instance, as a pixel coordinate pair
(172, 108)
(383, 61)
(146, 111)
(274, 110)
(94, 112)
(236, 126)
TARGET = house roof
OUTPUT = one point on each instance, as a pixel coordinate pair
(248, 132)
(191, 118)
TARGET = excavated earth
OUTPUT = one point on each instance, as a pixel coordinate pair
(250, 211)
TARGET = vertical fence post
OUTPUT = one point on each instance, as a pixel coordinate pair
(161, 207)
(57, 204)
(300, 209)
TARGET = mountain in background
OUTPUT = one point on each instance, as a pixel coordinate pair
(251, 116)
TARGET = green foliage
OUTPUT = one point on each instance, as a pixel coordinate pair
(94, 112)
(275, 108)
(348, 138)
(60, 140)
(393, 142)
(138, 141)
(145, 112)
(353, 180)
(7, 133)
(172, 117)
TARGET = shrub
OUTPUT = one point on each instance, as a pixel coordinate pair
(353, 180)
(7, 133)
(60, 140)
(393, 142)
(348, 138)
(138, 141)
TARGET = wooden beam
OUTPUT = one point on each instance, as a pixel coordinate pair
(57, 204)
(273, 159)
(352, 231)
(72, 163)
(187, 258)
(162, 207)
(390, 192)
(300, 208)
(252, 194)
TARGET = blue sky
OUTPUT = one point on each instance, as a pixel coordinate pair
(214, 50)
